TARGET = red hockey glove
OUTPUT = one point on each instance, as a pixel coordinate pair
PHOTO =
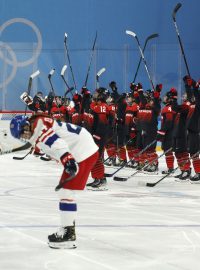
(156, 94)
(69, 163)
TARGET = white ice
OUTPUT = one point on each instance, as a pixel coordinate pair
(129, 227)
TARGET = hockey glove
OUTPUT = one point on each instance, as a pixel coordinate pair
(26, 98)
(69, 163)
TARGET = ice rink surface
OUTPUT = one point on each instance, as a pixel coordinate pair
(128, 227)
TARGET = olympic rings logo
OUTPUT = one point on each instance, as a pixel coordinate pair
(12, 61)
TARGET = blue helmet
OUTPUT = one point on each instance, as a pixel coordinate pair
(17, 124)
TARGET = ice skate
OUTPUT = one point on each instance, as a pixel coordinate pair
(65, 238)
(99, 185)
(92, 183)
(169, 171)
(195, 179)
(183, 176)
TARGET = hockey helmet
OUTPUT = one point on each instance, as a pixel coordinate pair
(17, 124)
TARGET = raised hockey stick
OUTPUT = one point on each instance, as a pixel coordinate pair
(179, 38)
(33, 75)
(21, 158)
(99, 73)
(69, 89)
(91, 57)
(145, 44)
(70, 66)
(130, 33)
(118, 178)
(21, 148)
(126, 163)
(155, 183)
(60, 185)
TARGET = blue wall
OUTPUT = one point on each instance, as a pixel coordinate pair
(115, 51)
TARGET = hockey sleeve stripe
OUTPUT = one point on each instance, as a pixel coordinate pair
(51, 140)
(68, 206)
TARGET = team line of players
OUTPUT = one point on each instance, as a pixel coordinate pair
(124, 124)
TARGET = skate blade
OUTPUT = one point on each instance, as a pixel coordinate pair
(63, 245)
(98, 189)
(181, 180)
(195, 182)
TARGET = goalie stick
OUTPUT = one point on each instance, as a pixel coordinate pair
(155, 183)
(118, 178)
(99, 73)
(177, 7)
(91, 57)
(141, 152)
(33, 75)
(145, 44)
(128, 32)
(67, 51)
(21, 148)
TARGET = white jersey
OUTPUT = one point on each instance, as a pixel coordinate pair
(56, 138)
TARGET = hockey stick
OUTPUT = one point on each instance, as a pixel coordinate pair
(33, 75)
(60, 185)
(155, 183)
(99, 73)
(118, 178)
(62, 74)
(126, 163)
(67, 51)
(21, 148)
(91, 57)
(142, 55)
(179, 39)
(146, 41)
(21, 158)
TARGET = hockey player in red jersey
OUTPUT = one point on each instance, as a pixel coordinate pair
(148, 121)
(192, 125)
(74, 147)
(180, 138)
(130, 126)
(99, 131)
(165, 134)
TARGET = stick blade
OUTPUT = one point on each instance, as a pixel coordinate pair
(150, 184)
(131, 33)
(51, 72)
(63, 70)
(102, 70)
(122, 179)
(108, 174)
(175, 10)
(153, 36)
(35, 74)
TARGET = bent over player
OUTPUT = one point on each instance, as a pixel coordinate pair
(74, 147)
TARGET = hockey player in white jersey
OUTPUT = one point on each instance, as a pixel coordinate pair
(75, 148)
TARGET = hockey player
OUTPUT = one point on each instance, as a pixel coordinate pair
(74, 147)
(130, 126)
(165, 134)
(192, 125)
(99, 130)
(148, 121)
(180, 138)
(35, 104)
